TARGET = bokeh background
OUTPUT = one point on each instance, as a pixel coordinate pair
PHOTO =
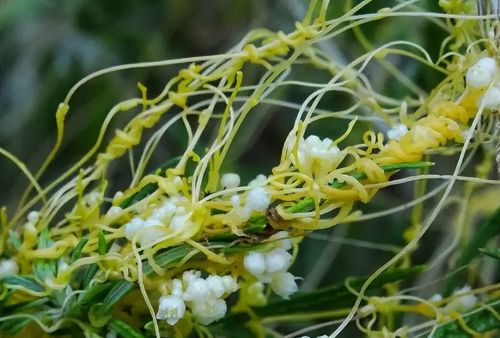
(47, 46)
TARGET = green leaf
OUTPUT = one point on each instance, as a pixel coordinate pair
(488, 229)
(117, 292)
(494, 253)
(90, 296)
(124, 330)
(14, 326)
(44, 268)
(480, 321)
(334, 297)
(23, 282)
(26, 305)
(241, 248)
(326, 299)
(77, 252)
(96, 316)
(14, 239)
(102, 245)
(166, 258)
(257, 224)
(90, 272)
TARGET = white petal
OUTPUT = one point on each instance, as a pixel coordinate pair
(283, 284)
(255, 263)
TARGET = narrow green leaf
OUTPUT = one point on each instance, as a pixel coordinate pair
(488, 229)
(326, 299)
(166, 258)
(97, 317)
(334, 297)
(494, 253)
(481, 321)
(102, 245)
(241, 248)
(90, 296)
(15, 282)
(14, 239)
(26, 305)
(44, 268)
(117, 292)
(257, 224)
(77, 252)
(14, 326)
(124, 330)
(385, 167)
(90, 272)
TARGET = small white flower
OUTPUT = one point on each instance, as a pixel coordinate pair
(283, 284)
(397, 131)
(436, 298)
(230, 284)
(255, 263)
(281, 240)
(277, 260)
(481, 73)
(366, 310)
(33, 217)
(180, 220)
(317, 157)
(464, 303)
(177, 288)
(114, 211)
(215, 286)
(8, 267)
(191, 275)
(197, 289)
(258, 181)
(164, 212)
(132, 227)
(491, 98)
(207, 312)
(171, 309)
(230, 180)
(258, 199)
(92, 198)
(146, 231)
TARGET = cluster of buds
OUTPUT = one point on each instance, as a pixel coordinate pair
(204, 297)
(271, 265)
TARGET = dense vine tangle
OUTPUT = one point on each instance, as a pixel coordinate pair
(184, 239)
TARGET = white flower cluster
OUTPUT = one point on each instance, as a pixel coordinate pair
(203, 297)
(8, 267)
(397, 131)
(169, 217)
(271, 266)
(461, 304)
(481, 75)
(317, 157)
(256, 199)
